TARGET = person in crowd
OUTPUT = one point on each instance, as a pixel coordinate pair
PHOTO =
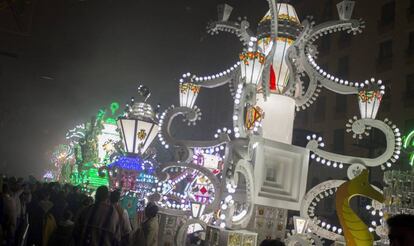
(59, 204)
(150, 226)
(16, 191)
(125, 225)
(401, 230)
(85, 202)
(272, 242)
(74, 199)
(41, 221)
(63, 234)
(9, 220)
(97, 225)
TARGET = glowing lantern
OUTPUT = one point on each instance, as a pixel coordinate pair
(288, 30)
(252, 66)
(224, 12)
(369, 99)
(300, 224)
(197, 209)
(188, 94)
(138, 127)
(345, 9)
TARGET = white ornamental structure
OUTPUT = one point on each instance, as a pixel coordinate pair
(256, 174)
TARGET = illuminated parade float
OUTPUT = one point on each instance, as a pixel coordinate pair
(237, 187)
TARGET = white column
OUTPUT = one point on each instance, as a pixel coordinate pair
(279, 115)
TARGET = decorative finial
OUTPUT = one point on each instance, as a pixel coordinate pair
(144, 91)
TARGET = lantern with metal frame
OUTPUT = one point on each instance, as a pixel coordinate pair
(252, 64)
(188, 92)
(197, 209)
(369, 98)
(138, 126)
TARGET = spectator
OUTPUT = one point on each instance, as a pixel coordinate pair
(125, 225)
(59, 205)
(271, 242)
(74, 199)
(150, 226)
(97, 225)
(63, 234)
(401, 230)
(9, 215)
(41, 220)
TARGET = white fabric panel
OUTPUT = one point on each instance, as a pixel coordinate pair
(128, 127)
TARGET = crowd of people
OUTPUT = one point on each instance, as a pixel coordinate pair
(49, 214)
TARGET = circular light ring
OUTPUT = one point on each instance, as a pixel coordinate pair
(312, 195)
(180, 236)
(213, 179)
(244, 168)
(306, 203)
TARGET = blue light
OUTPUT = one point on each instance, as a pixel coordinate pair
(134, 163)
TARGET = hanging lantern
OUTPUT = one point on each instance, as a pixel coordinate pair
(252, 66)
(288, 30)
(345, 9)
(224, 12)
(197, 209)
(300, 224)
(138, 127)
(369, 98)
(188, 93)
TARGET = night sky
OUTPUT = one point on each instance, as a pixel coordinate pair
(80, 56)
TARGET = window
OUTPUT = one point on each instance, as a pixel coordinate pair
(327, 10)
(388, 13)
(409, 86)
(410, 49)
(385, 50)
(411, 8)
(320, 109)
(386, 98)
(341, 103)
(343, 67)
(409, 125)
(344, 39)
(338, 141)
(325, 43)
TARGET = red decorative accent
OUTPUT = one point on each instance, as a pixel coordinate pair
(216, 171)
(272, 79)
(203, 190)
